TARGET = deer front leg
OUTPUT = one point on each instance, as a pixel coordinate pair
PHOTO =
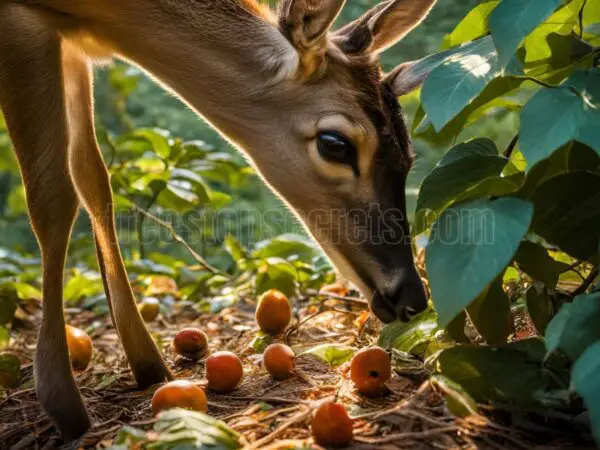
(92, 183)
(32, 99)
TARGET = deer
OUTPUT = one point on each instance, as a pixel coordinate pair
(309, 106)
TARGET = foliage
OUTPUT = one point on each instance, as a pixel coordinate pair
(530, 211)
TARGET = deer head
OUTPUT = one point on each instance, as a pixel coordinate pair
(343, 150)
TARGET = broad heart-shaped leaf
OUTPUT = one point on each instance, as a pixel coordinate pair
(490, 313)
(276, 273)
(567, 213)
(459, 402)
(333, 354)
(513, 20)
(534, 260)
(458, 80)
(473, 26)
(553, 117)
(285, 246)
(469, 246)
(411, 337)
(158, 138)
(587, 383)
(461, 168)
(575, 327)
(180, 429)
(508, 374)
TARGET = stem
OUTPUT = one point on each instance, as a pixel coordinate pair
(140, 224)
(587, 282)
(179, 239)
(511, 146)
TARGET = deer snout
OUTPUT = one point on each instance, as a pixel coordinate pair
(406, 299)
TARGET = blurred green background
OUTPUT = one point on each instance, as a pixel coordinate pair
(127, 101)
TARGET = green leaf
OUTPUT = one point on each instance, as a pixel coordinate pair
(539, 306)
(473, 26)
(276, 273)
(456, 329)
(235, 248)
(575, 327)
(587, 383)
(459, 402)
(463, 167)
(553, 117)
(567, 213)
(181, 429)
(534, 260)
(410, 337)
(469, 246)
(82, 285)
(286, 246)
(4, 337)
(490, 313)
(509, 374)
(261, 341)
(158, 138)
(8, 306)
(512, 20)
(333, 354)
(457, 81)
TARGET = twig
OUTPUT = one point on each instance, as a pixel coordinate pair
(587, 282)
(140, 224)
(511, 146)
(280, 429)
(409, 435)
(179, 239)
(358, 301)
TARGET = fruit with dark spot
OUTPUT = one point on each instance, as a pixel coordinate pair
(279, 360)
(370, 369)
(331, 426)
(10, 371)
(179, 394)
(80, 348)
(149, 309)
(273, 312)
(191, 343)
(224, 371)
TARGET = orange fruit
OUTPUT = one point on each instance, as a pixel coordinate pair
(331, 425)
(224, 371)
(336, 289)
(370, 369)
(273, 312)
(80, 347)
(149, 309)
(191, 343)
(179, 394)
(279, 360)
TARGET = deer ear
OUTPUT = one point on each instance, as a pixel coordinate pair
(383, 25)
(409, 76)
(305, 24)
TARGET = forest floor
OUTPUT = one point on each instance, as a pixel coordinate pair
(267, 413)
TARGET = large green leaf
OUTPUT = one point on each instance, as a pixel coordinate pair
(473, 26)
(333, 354)
(490, 313)
(556, 116)
(509, 374)
(158, 138)
(567, 213)
(539, 306)
(286, 246)
(575, 327)
(458, 80)
(534, 260)
(470, 245)
(413, 336)
(180, 429)
(276, 273)
(462, 167)
(512, 20)
(587, 383)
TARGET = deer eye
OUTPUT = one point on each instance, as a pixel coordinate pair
(336, 148)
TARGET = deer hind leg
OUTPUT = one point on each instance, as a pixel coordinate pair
(32, 99)
(92, 183)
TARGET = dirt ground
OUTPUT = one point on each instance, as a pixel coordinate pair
(268, 413)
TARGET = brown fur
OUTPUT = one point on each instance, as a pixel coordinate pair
(268, 82)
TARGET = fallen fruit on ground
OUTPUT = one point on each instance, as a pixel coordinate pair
(179, 394)
(279, 360)
(80, 347)
(10, 371)
(370, 369)
(336, 289)
(331, 425)
(191, 343)
(273, 312)
(224, 371)
(149, 309)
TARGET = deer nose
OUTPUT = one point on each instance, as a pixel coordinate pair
(405, 301)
